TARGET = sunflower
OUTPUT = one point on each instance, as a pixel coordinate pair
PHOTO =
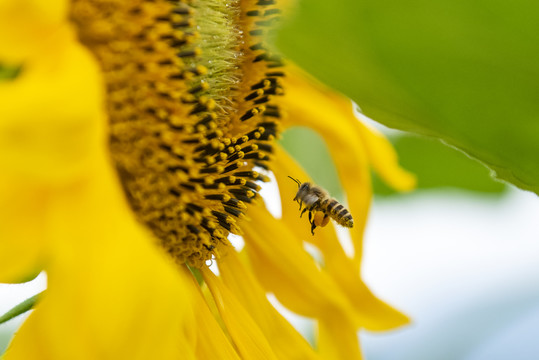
(133, 142)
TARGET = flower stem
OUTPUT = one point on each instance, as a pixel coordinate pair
(21, 308)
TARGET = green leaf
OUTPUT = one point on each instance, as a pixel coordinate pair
(463, 71)
(423, 156)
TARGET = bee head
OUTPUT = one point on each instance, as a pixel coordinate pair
(303, 190)
(302, 187)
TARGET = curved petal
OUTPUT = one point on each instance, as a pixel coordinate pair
(375, 314)
(212, 342)
(338, 339)
(247, 336)
(344, 126)
(286, 341)
(43, 147)
(312, 106)
(111, 293)
(25, 26)
(382, 155)
(283, 267)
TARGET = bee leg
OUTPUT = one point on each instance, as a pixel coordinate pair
(300, 204)
(311, 220)
(305, 209)
(313, 226)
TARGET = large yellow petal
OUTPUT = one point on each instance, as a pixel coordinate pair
(247, 336)
(44, 146)
(111, 293)
(25, 26)
(286, 341)
(51, 116)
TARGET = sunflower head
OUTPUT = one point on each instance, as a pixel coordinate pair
(190, 89)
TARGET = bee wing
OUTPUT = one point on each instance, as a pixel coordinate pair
(310, 199)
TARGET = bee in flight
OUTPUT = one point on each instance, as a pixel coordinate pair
(318, 201)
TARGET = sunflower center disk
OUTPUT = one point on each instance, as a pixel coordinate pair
(189, 99)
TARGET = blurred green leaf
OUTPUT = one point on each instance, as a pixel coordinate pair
(435, 164)
(438, 166)
(463, 71)
(9, 72)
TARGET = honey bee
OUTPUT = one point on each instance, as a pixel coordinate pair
(321, 206)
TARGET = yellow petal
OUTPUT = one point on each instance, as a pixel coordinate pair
(286, 341)
(212, 342)
(51, 118)
(375, 314)
(25, 26)
(312, 106)
(111, 293)
(51, 126)
(247, 336)
(22, 234)
(337, 339)
(283, 267)
(383, 156)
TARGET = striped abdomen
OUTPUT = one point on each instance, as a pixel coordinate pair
(338, 212)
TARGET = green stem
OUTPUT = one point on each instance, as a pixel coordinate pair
(21, 308)
(196, 273)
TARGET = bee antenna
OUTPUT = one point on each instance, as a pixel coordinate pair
(296, 180)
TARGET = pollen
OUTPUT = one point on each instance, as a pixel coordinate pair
(191, 90)
(321, 219)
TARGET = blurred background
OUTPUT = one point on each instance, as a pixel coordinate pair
(460, 256)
